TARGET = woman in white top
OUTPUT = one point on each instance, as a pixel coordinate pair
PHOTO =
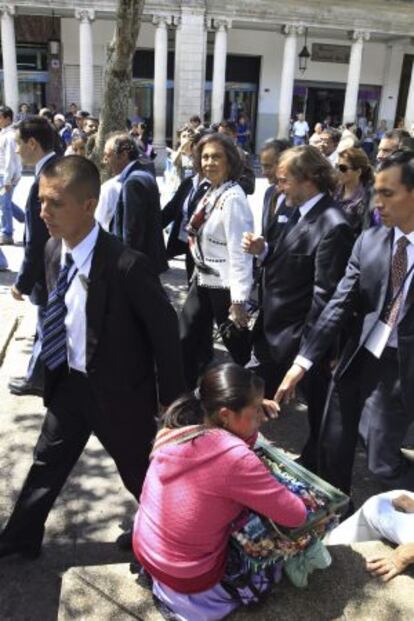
(223, 276)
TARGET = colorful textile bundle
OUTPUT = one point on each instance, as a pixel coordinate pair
(261, 542)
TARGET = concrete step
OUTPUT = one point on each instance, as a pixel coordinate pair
(344, 592)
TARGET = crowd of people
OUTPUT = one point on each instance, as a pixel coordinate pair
(322, 295)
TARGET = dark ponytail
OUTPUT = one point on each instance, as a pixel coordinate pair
(186, 410)
(226, 385)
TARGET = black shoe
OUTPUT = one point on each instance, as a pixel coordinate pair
(27, 550)
(124, 541)
(20, 387)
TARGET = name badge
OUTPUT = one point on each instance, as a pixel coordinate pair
(282, 218)
(378, 339)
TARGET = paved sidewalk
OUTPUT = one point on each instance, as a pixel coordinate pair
(81, 574)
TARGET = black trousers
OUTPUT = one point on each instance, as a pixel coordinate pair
(367, 401)
(314, 386)
(72, 416)
(202, 307)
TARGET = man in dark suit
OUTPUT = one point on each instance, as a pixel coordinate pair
(274, 212)
(373, 387)
(110, 348)
(137, 218)
(34, 141)
(301, 270)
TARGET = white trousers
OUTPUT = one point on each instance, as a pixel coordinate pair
(376, 519)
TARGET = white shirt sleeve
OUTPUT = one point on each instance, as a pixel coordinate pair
(238, 219)
(303, 362)
(12, 166)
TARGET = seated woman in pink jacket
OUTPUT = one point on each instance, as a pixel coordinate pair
(202, 477)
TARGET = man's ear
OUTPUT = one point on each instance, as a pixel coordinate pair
(90, 205)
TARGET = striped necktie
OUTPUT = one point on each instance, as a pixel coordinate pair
(54, 351)
(398, 275)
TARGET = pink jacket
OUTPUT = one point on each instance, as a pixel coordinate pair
(192, 495)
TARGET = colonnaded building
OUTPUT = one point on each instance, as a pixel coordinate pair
(268, 58)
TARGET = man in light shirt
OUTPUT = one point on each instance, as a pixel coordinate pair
(34, 140)
(300, 130)
(330, 139)
(10, 171)
(373, 388)
(110, 348)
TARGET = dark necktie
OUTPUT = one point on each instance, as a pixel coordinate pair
(54, 352)
(272, 207)
(398, 273)
(293, 220)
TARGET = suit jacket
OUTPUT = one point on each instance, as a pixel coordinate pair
(31, 277)
(272, 226)
(359, 301)
(173, 212)
(131, 332)
(301, 273)
(137, 219)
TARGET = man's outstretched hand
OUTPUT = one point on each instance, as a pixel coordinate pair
(389, 567)
(286, 390)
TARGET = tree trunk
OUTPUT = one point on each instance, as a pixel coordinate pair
(118, 73)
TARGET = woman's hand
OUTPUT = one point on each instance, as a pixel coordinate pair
(404, 503)
(239, 315)
(389, 567)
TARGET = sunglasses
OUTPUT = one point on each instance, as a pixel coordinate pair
(343, 168)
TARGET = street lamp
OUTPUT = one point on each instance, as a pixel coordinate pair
(54, 41)
(304, 55)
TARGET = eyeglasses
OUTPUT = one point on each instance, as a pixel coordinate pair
(343, 168)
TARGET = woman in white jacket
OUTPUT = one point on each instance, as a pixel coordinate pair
(223, 276)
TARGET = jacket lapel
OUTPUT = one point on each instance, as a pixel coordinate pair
(300, 229)
(384, 267)
(409, 299)
(52, 261)
(96, 297)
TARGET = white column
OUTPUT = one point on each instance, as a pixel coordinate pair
(391, 83)
(190, 63)
(160, 79)
(409, 110)
(86, 17)
(287, 79)
(8, 46)
(219, 70)
(354, 74)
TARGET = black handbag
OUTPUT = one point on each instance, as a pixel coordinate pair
(237, 340)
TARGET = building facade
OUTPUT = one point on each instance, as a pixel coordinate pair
(218, 59)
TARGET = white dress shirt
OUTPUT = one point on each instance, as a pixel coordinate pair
(10, 164)
(300, 129)
(108, 198)
(75, 298)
